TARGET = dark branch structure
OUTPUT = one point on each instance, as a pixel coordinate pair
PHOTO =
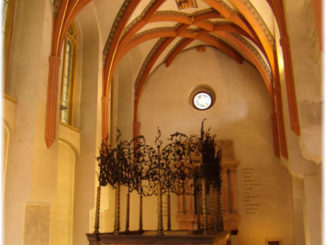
(158, 170)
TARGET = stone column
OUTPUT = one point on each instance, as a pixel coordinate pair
(312, 210)
(298, 217)
(91, 130)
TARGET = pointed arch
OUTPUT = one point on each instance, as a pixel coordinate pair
(68, 9)
(277, 8)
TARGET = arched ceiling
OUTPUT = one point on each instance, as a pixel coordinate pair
(159, 30)
(240, 29)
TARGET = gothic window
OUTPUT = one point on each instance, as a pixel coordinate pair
(8, 15)
(68, 76)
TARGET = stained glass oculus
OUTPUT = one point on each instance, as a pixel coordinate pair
(202, 100)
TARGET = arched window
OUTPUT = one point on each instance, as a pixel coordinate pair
(8, 16)
(68, 76)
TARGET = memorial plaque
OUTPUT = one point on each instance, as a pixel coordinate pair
(251, 191)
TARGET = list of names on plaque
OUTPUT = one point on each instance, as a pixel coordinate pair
(251, 191)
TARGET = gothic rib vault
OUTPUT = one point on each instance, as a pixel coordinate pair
(242, 29)
(138, 64)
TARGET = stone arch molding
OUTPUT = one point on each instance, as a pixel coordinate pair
(61, 230)
(7, 134)
(246, 26)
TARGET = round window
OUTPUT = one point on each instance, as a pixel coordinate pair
(202, 100)
(202, 97)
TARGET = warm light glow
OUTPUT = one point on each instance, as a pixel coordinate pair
(278, 47)
(202, 101)
(280, 61)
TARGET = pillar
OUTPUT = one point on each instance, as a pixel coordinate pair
(312, 210)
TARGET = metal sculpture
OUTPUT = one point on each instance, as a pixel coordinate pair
(162, 170)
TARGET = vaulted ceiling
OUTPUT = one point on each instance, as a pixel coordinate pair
(170, 30)
(162, 29)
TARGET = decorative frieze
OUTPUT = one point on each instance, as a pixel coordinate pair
(256, 53)
(260, 21)
(114, 28)
(183, 4)
(56, 6)
(226, 6)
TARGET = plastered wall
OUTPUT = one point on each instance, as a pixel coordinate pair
(61, 213)
(241, 113)
(33, 190)
(31, 169)
(49, 192)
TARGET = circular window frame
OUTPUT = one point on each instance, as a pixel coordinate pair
(196, 106)
(202, 89)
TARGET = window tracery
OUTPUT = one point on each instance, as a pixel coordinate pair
(68, 76)
(7, 20)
